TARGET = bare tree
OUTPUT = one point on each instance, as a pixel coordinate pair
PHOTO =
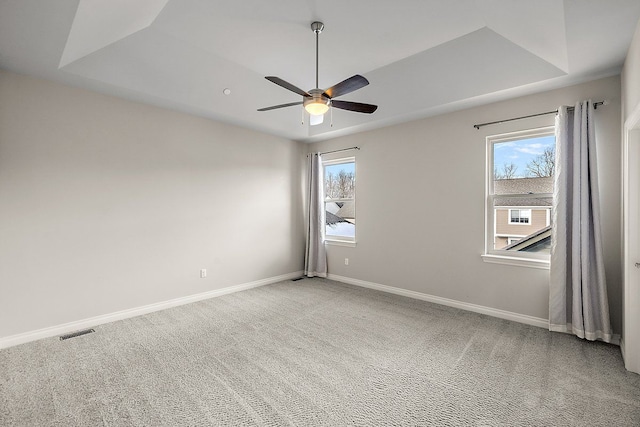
(508, 171)
(346, 184)
(329, 185)
(340, 186)
(542, 165)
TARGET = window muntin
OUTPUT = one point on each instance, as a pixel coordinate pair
(519, 216)
(519, 193)
(339, 199)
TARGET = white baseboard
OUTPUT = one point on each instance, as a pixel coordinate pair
(65, 328)
(494, 312)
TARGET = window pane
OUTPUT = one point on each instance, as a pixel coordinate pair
(340, 220)
(340, 181)
(520, 171)
(522, 230)
(339, 189)
(524, 166)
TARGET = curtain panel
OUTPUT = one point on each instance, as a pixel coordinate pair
(578, 291)
(315, 261)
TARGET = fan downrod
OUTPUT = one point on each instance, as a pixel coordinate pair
(317, 28)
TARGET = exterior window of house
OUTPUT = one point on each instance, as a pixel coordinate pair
(519, 194)
(519, 216)
(340, 200)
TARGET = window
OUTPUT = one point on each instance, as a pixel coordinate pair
(340, 199)
(519, 194)
(519, 216)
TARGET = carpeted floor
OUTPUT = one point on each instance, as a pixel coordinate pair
(316, 352)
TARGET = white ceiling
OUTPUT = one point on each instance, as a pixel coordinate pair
(422, 57)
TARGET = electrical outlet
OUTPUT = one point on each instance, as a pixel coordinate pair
(346, 261)
(203, 273)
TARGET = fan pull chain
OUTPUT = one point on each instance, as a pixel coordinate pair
(331, 113)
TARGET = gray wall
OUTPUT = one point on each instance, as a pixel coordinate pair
(108, 205)
(631, 76)
(420, 204)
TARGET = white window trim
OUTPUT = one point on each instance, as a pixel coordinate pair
(341, 240)
(335, 242)
(548, 219)
(498, 256)
(516, 261)
(519, 216)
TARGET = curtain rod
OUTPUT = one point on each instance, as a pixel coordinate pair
(342, 149)
(478, 126)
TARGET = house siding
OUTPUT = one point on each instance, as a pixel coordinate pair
(538, 221)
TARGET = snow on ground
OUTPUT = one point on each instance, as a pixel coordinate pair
(341, 229)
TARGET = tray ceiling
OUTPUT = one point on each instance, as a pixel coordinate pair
(421, 57)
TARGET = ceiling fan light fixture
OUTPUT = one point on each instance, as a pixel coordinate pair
(316, 104)
(316, 108)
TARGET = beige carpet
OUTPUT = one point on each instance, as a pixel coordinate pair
(316, 352)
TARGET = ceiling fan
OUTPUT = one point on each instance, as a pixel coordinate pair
(317, 101)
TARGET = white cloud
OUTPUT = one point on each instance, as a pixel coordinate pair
(533, 149)
(502, 145)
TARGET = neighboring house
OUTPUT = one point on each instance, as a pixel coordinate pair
(331, 208)
(518, 219)
(540, 241)
(340, 218)
(340, 212)
(331, 219)
(348, 212)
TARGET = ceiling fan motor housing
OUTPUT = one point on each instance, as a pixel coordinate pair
(317, 103)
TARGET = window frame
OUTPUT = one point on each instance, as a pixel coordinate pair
(523, 259)
(332, 239)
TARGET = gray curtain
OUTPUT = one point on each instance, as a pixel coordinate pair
(315, 261)
(578, 290)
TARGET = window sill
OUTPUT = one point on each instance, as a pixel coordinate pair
(519, 262)
(340, 243)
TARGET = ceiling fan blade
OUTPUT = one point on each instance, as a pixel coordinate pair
(346, 86)
(291, 104)
(287, 85)
(354, 106)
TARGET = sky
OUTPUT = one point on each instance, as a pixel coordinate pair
(334, 169)
(520, 152)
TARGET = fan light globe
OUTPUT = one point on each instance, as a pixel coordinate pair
(316, 108)
(317, 104)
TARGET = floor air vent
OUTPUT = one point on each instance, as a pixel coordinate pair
(297, 278)
(76, 334)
